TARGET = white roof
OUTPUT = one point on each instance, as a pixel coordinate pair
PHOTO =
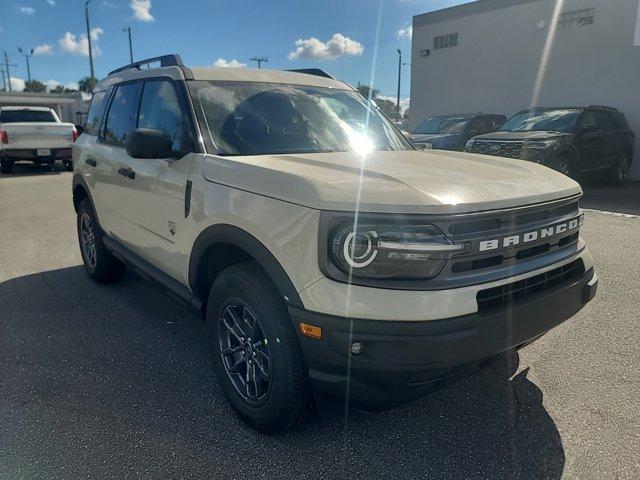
(27, 107)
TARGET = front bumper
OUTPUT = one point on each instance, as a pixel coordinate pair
(402, 361)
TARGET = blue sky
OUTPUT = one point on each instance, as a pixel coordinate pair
(336, 35)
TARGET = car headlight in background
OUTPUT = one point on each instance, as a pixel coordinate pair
(424, 146)
(543, 145)
(390, 251)
(470, 145)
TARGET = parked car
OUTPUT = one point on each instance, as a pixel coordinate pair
(34, 134)
(451, 132)
(320, 275)
(571, 140)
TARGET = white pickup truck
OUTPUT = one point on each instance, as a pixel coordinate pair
(34, 134)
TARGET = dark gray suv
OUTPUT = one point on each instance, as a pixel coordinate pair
(572, 140)
(451, 132)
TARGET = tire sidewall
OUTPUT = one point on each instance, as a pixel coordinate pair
(85, 208)
(273, 414)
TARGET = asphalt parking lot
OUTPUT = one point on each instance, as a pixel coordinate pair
(116, 382)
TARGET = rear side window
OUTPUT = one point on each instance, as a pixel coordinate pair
(621, 120)
(160, 109)
(121, 119)
(27, 116)
(606, 122)
(96, 112)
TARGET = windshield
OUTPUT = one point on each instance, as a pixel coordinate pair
(262, 119)
(443, 125)
(543, 120)
(28, 116)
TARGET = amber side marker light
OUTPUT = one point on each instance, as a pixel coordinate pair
(311, 331)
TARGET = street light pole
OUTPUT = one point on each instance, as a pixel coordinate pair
(128, 29)
(86, 14)
(399, 81)
(27, 55)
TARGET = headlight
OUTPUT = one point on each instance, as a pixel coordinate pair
(424, 146)
(470, 144)
(428, 146)
(390, 251)
(543, 145)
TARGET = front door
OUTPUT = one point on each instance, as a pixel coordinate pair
(591, 142)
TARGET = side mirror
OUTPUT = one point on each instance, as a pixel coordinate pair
(589, 128)
(149, 143)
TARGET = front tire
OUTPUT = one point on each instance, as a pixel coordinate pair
(99, 263)
(256, 354)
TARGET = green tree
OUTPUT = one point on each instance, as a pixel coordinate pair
(387, 106)
(57, 89)
(35, 86)
(87, 84)
(365, 90)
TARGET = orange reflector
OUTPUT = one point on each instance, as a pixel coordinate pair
(311, 331)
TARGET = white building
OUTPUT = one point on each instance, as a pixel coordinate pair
(70, 107)
(502, 56)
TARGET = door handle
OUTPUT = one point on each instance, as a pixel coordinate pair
(91, 161)
(127, 172)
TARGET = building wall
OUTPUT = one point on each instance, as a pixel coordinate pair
(509, 58)
(69, 107)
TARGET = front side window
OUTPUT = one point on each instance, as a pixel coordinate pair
(243, 118)
(563, 120)
(160, 110)
(27, 116)
(121, 119)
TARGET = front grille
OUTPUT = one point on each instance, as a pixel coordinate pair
(499, 149)
(512, 292)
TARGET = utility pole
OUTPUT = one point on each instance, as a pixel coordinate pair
(27, 55)
(6, 67)
(399, 81)
(260, 60)
(128, 29)
(86, 14)
(4, 82)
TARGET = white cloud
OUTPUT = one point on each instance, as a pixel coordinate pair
(51, 84)
(72, 86)
(222, 63)
(78, 44)
(336, 46)
(405, 33)
(44, 49)
(17, 84)
(52, 2)
(142, 10)
(26, 10)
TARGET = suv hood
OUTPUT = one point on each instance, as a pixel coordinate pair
(398, 182)
(544, 135)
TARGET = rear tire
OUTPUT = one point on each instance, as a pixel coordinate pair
(620, 171)
(99, 263)
(6, 166)
(264, 378)
(68, 165)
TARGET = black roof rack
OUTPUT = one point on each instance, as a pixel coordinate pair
(313, 71)
(602, 106)
(165, 61)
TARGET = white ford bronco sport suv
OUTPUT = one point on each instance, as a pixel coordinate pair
(332, 261)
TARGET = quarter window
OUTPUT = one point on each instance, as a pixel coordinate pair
(96, 112)
(606, 122)
(160, 110)
(121, 120)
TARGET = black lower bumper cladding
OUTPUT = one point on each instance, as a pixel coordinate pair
(401, 361)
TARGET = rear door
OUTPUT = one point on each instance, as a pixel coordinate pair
(590, 140)
(155, 198)
(612, 139)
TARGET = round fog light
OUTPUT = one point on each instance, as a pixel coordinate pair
(356, 348)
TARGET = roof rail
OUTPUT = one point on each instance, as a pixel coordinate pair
(165, 61)
(602, 106)
(313, 71)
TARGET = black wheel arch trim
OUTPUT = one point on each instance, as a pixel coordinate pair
(78, 181)
(232, 235)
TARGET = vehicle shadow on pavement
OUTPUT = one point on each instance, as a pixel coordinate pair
(116, 381)
(31, 170)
